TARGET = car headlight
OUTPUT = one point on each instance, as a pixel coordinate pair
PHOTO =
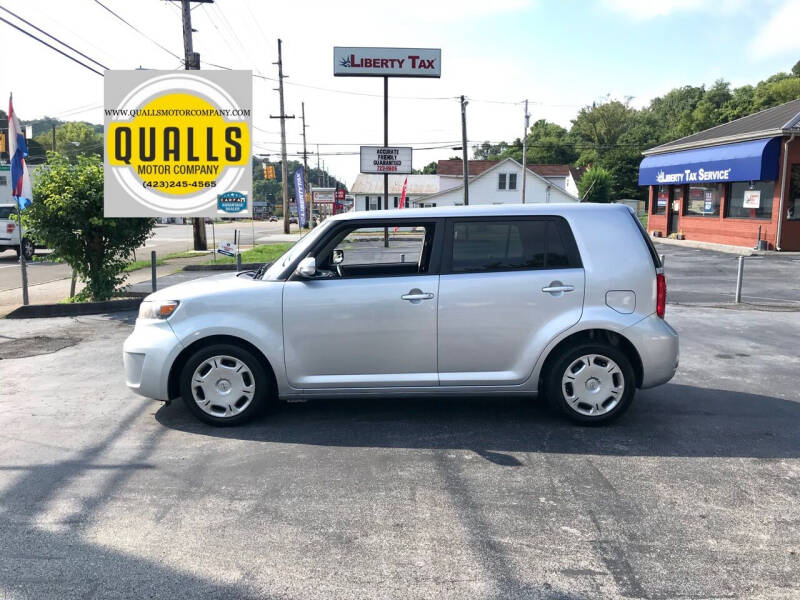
(157, 310)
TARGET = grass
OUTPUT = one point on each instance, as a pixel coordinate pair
(260, 254)
(643, 220)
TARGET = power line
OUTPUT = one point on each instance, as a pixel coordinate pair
(39, 29)
(41, 41)
(139, 31)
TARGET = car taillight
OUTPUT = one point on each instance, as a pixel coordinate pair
(10, 227)
(661, 294)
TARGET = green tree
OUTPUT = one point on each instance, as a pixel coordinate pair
(595, 185)
(74, 139)
(429, 169)
(548, 144)
(67, 216)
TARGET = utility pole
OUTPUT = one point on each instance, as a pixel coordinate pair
(525, 151)
(191, 61)
(305, 172)
(319, 173)
(464, 148)
(283, 116)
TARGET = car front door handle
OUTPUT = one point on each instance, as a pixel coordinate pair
(416, 295)
(557, 288)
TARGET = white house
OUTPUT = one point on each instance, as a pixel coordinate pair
(501, 184)
(367, 190)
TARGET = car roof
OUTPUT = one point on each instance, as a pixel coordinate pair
(566, 209)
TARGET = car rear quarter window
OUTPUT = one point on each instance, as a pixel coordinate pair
(6, 211)
(503, 245)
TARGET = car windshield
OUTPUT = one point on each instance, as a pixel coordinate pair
(279, 266)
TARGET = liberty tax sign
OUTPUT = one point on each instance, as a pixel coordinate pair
(382, 159)
(387, 62)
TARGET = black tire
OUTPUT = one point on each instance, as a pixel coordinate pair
(261, 398)
(27, 248)
(556, 396)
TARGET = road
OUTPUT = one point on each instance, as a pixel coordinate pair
(166, 239)
(694, 493)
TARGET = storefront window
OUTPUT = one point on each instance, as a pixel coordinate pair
(661, 199)
(750, 200)
(793, 200)
(703, 200)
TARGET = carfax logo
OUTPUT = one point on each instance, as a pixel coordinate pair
(231, 202)
(177, 143)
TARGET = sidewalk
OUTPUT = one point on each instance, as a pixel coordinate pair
(53, 291)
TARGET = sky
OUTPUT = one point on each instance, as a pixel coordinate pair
(560, 55)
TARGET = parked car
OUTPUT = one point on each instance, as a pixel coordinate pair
(293, 220)
(273, 219)
(9, 233)
(566, 301)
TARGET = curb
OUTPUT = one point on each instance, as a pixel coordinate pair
(739, 250)
(222, 267)
(41, 311)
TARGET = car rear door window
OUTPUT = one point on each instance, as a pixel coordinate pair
(497, 245)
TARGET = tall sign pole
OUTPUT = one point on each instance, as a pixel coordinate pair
(464, 148)
(386, 62)
(284, 167)
(525, 151)
(192, 63)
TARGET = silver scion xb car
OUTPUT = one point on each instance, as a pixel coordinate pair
(562, 300)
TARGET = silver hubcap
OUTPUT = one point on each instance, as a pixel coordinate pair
(223, 386)
(593, 385)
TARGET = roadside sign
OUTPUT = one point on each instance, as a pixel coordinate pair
(228, 249)
(387, 62)
(339, 194)
(381, 159)
(323, 196)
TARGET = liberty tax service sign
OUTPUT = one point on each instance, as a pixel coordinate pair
(178, 143)
(387, 62)
(382, 159)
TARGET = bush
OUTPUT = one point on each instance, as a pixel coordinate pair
(595, 185)
(67, 216)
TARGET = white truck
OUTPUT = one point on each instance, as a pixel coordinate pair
(9, 233)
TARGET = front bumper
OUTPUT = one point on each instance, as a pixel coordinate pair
(148, 354)
(657, 344)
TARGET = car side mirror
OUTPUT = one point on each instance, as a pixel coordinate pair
(307, 267)
(338, 256)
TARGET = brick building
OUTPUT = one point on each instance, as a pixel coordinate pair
(732, 184)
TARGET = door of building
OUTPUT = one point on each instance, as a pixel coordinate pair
(674, 209)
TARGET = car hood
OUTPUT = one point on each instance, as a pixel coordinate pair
(204, 286)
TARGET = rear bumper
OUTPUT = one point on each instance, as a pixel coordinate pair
(148, 354)
(657, 344)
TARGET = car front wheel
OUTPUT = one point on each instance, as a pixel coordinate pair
(590, 383)
(224, 384)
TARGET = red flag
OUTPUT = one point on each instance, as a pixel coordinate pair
(403, 195)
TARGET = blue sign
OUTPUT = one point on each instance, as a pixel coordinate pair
(232, 202)
(300, 196)
(756, 160)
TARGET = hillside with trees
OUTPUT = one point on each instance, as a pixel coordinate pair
(611, 134)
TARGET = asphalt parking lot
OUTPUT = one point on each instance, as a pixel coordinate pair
(693, 494)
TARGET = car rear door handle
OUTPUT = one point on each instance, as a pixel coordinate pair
(416, 295)
(556, 287)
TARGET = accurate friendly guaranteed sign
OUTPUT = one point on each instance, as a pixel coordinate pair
(387, 62)
(382, 159)
(177, 143)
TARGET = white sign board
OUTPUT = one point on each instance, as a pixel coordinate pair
(323, 197)
(752, 199)
(387, 62)
(227, 249)
(382, 159)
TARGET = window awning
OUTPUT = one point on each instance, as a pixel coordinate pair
(755, 160)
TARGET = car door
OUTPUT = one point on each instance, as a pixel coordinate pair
(508, 285)
(371, 320)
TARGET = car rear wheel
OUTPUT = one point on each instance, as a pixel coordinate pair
(590, 383)
(224, 384)
(28, 249)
